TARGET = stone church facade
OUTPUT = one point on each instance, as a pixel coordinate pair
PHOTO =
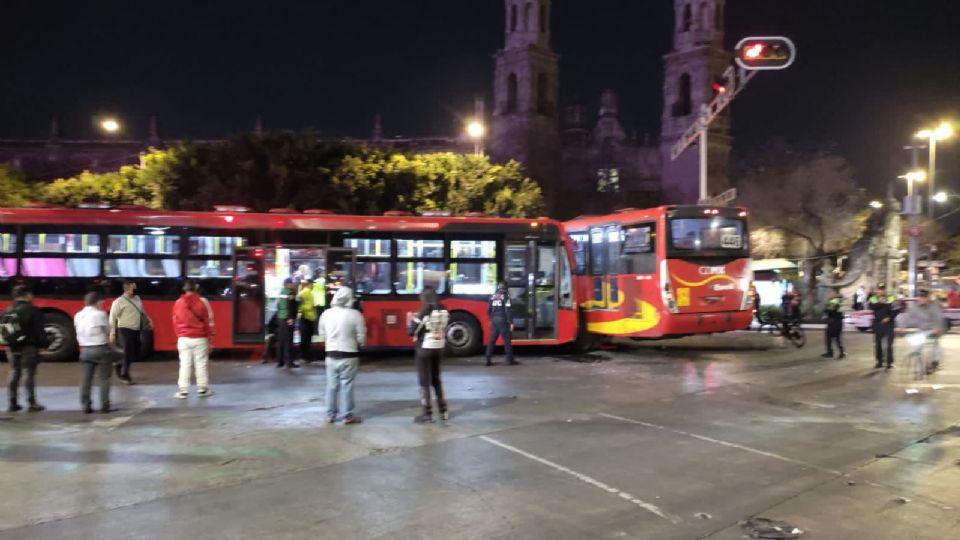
(584, 163)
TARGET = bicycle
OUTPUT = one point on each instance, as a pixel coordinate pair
(791, 330)
(919, 368)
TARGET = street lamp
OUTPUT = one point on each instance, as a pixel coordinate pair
(940, 133)
(476, 131)
(876, 205)
(911, 177)
(941, 197)
(110, 125)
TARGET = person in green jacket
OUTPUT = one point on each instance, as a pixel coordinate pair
(308, 318)
(286, 316)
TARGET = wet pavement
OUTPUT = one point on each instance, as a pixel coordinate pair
(657, 440)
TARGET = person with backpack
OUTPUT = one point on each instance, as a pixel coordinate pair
(501, 324)
(428, 327)
(193, 324)
(96, 354)
(342, 332)
(127, 321)
(22, 329)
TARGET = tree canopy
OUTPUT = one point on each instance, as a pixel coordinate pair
(296, 170)
(14, 189)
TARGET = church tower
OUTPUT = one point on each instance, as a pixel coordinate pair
(525, 94)
(696, 61)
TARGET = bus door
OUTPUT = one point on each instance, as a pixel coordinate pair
(605, 267)
(532, 271)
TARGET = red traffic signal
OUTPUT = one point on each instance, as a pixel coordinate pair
(719, 86)
(765, 53)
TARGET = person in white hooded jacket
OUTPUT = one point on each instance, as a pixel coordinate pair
(343, 332)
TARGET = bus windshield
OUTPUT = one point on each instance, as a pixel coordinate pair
(708, 236)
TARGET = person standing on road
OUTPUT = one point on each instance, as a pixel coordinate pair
(308, 318)
(193, 324)
(501, 324)
(96, 353)
(429, 327)
(286, 316)
(927, 317)
(128, 319)
(343, 332)
(834, 323)
(885, 311)
(22, 327)
(859, 298)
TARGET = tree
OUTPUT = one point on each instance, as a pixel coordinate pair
(14, 189)
(810, 199)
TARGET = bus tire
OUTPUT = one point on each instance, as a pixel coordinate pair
(464, 336)
(62, 337)
(586, 341)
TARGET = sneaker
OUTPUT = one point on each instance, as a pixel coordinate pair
(280, 365)
(36, 407)
(204, 392)
(352, 420)
(889, 366)
(878, 366)
(14, 408)
(331, 418)
(489, 363)
(294, 365)
(106, 409)
(126, 380)
(423, 419)
(445, 415)
(842, 355)
(826, 355)
(182, 394)
(87, 409)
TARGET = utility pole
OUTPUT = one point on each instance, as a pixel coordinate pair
(910, 206)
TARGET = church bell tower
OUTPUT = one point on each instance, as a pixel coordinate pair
(526, 87)
(696, 61)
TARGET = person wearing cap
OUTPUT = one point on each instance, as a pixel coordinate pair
(286, 314)
(885, 311)
(501, 324)
(834, 323)
(926, 315)
(308, 318)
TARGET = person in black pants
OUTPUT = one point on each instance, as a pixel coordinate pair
(127, 320)
(834, 324)
(501, 324)
(429, 327)
(885, 311)
(24, 332)
(286, 317)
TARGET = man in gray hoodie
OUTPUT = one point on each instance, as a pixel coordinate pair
(927, 317)
(343, 332)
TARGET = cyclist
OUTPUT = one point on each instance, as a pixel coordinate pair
(926, 316)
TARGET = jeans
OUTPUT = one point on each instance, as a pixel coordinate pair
(934, 343)
(24, 359)
(340, 375)
(98, 358)
(883, 333)
(131, 351)
(428, 374)
(500, 327)
(193, 356)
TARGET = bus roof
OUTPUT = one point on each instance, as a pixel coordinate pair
(631, 215)
(243, 220)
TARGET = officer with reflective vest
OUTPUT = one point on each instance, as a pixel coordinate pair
(501, 324)
(885, 310)
(834, 323)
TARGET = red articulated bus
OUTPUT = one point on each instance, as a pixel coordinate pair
(240, 260)
(663, 272)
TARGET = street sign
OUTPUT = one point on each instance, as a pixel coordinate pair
(765, 53)
(722, 199)
(916, 231)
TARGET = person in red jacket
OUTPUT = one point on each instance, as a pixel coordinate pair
(193, 324)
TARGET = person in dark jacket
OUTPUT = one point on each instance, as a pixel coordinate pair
(429, 327)
(885, 310)
(24, 355)
(501, 324)
(286, 316)
(834, 323)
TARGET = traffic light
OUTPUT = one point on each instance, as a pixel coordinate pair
(719, 86)
(765, 53)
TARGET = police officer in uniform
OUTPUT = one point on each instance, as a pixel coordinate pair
(501, 324)
(834, 323)
(885, 310)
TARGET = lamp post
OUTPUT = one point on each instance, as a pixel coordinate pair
(912, 207)
(476, 131)
(110, 125)
(940, 133)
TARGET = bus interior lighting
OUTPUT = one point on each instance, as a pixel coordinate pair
(231, 208)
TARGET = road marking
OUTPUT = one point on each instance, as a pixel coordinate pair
(723, 443)
(653, 509)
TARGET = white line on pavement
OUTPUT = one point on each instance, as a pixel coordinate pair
(653, 509)
(723, 443)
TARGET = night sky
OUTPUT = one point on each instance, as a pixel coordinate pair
(869, 72)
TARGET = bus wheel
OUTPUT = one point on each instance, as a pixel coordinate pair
(62, 338)
(464, 337)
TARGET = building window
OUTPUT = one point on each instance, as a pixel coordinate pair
(687, 18)
(511, 93)
(682, 106)
(513, 18)
(543, 101)
(704, 16)
(527, 13)
(543, 19)
(608, 180)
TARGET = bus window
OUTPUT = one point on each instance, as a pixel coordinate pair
(150, 244)
(473, 277)
(199, 268)
(8, 244)
(142, 268)
(369, 247)
(719, 235)
(580, 244)
(566, 282)
(60, 267)
(473, 249)
(215, 245)
(372, 277)
(596, 251)
(613, 251)
(419, 249)
(413, 276)
(639, 249)
(61, 243)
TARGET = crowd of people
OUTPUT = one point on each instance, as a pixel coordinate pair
(115, 340)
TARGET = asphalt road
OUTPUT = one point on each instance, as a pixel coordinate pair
(659, 440)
